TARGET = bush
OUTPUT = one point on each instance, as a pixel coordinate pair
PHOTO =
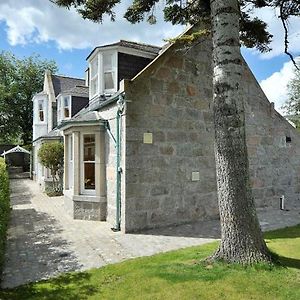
(51, 156)
(4, 208)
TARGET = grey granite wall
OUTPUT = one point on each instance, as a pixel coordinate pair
(172, 180)
(171, 100)
(274, 150)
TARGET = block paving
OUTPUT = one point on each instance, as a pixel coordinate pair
(44, 241)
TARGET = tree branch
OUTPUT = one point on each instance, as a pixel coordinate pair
(283, 17)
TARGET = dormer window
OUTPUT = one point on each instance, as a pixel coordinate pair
(66, 109)
(103, 73)
(63, 108)
(41, 110)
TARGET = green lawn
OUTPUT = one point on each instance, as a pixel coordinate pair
(180, 275)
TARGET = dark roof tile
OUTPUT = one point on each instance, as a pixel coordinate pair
(133, 45)
(62, 83)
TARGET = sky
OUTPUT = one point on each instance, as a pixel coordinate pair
(40, 27)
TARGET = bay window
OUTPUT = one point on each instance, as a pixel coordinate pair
(63, 108)
(103, 73)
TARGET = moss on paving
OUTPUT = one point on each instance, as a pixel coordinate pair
(180, 275)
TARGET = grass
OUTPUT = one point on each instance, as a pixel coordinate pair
(4, 208)
(180, 275)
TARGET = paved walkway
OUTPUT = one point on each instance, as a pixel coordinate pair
(44, 241)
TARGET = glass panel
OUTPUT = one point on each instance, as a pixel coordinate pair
(94, 86)
(89, 147)
(66, 107)
(66, 101)
(107, 62)
(94, 67)
(89, 176)
(41, 116)
(108, 81)
(41, 110)
(66, 112)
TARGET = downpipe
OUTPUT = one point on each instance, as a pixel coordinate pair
(117, 142)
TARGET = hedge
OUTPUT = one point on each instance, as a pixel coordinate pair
(4, 209)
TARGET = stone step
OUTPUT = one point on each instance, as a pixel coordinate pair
(19, 175)
(15, 170)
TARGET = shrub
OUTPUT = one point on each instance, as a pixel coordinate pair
(4, 208)
(51, 156)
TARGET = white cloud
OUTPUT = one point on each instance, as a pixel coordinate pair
(270, 16)
(275, 86)
(38, 21)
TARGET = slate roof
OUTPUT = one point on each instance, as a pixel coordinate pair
(53, 134)
(40, 93)
(133, 45)
(62, 83)
(78, 90)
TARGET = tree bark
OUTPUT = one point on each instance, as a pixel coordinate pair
(241, 236)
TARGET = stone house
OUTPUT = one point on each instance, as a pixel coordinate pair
(141, 154)
(61, 98)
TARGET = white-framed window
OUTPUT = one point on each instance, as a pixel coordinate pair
(63, 108)
(109, 70)
(94, 78)
(66, 107)
(41, 111)
(88, 164)
(70, 162)
(103, 73)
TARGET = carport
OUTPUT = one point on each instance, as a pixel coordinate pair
(17, 163)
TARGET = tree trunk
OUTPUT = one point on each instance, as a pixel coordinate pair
(241, 237)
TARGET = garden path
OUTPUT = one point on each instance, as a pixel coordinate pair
(43, 241)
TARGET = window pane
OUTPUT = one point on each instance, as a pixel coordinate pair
(66, 112)
(41, 110)
(89, 147)
(89, 176)
(41, 115)
(108, 81)
(66, 101)
(94, 86)
(107, 62)
(94, 67)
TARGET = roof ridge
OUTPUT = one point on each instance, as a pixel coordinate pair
(63, 76)
(138, 43)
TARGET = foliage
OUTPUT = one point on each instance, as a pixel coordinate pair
(180, 275)
(4, 208)
(292, 105)
(253, 33)
(51, 156)
(20, 79)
